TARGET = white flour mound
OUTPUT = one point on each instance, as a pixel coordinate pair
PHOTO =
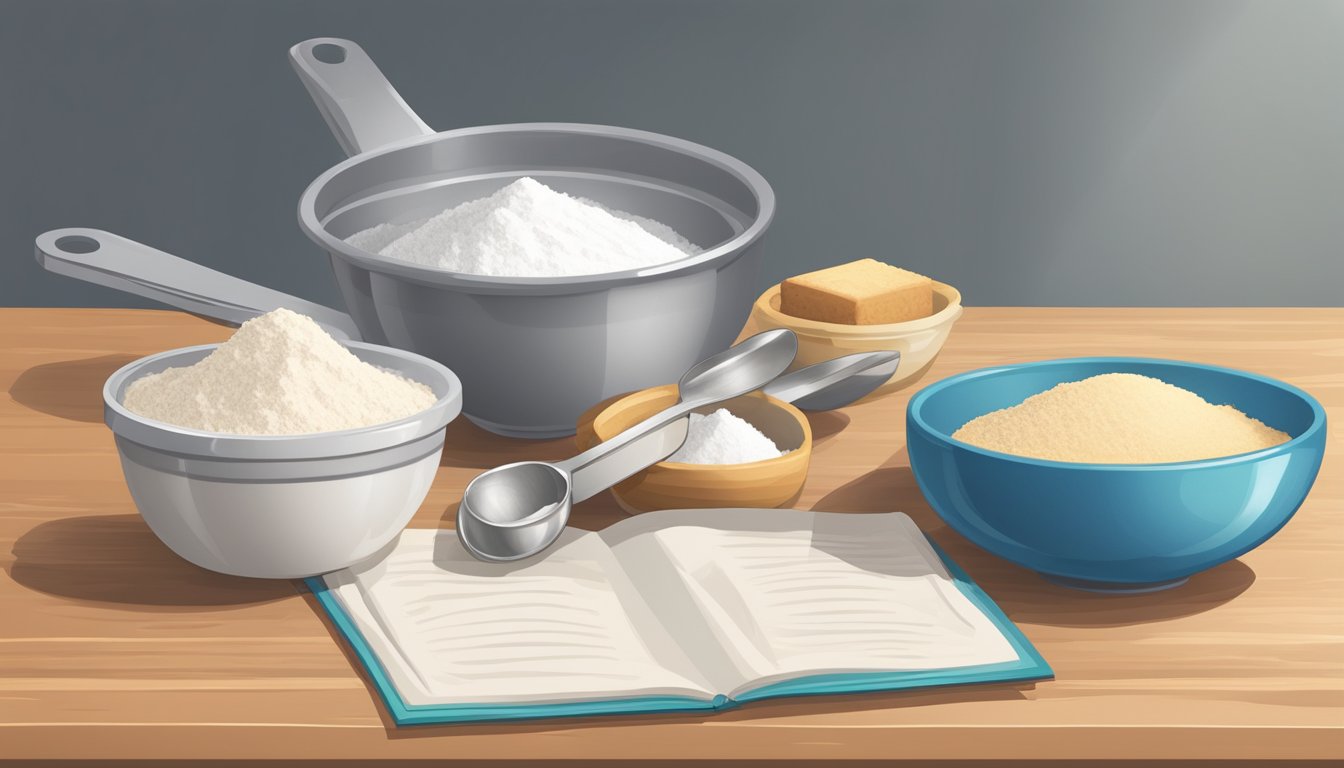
(528, 229)
(279, 374)
(724, 438)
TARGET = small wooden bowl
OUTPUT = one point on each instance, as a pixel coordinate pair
(673, 485)
(918, 341)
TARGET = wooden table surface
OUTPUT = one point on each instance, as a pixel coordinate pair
(113, 648)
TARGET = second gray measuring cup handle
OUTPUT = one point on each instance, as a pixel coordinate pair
(360, 106)
(103, 258)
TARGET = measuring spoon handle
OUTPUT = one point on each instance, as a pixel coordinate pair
(850, 377)
(611, 461)
(747, 366)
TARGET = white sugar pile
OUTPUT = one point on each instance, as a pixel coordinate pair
(723, 438)
(528, 229)
(279, 374)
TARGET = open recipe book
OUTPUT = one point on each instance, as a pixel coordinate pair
(670, 611)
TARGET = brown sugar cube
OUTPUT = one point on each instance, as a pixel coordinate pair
(863, 292)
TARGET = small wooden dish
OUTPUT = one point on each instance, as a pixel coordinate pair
(918, 341)
(673, 485)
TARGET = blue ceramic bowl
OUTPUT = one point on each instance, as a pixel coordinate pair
(1113, 527)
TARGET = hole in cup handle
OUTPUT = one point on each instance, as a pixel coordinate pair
(329, 53)
(77, 244)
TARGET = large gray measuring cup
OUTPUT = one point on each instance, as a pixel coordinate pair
(532, 353)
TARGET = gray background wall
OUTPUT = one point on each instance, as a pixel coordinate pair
(1165, 152)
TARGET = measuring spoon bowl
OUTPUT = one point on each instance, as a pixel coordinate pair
(514, 511)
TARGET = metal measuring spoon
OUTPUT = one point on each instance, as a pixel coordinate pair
(518, 510)
(823, 386)
(835, 383)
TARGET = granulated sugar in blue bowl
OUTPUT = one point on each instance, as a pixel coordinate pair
(1121, 526)
(1119, 418)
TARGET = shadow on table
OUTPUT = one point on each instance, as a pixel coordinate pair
(1021, 593)
(1033, 600)
(117, 559)
(467, 445)
(69, 389)
(826, 424)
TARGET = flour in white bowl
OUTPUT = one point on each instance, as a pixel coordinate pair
(527, 229)
(279, 374)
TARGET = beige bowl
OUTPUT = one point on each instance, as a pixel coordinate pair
(918, 341)
(673, 485)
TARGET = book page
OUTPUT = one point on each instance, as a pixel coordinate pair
(562, 626)
(665, 589)
(789, 593)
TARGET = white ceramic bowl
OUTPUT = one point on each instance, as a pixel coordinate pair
(281, 507)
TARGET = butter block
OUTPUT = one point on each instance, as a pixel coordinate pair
(863, 292)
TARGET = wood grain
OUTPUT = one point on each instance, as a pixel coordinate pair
(112, 648)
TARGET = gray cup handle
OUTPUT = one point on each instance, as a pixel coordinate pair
(360, 106)
(103, 258)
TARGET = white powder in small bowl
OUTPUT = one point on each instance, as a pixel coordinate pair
(527, 229)
(279, 374)
(724, 438)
